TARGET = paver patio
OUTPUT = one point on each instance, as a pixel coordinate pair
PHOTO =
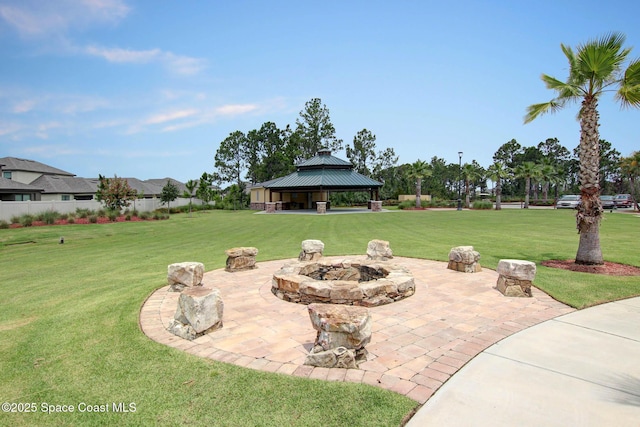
(416, 344)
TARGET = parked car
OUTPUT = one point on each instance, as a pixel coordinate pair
(608, 202)
(568, 201)
(624, 200)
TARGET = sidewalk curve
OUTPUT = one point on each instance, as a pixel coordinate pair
(579, 369)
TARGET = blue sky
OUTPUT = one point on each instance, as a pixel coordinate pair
(149, 89)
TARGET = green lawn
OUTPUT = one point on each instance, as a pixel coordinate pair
(68, 316)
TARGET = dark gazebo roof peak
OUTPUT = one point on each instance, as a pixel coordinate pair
(324, 160)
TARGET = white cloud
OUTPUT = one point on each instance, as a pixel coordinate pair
(24, 106)
(235, 109)
(36, 18)
(176, 63)
(167, 117)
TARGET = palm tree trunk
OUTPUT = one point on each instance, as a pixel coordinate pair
(418, 192)
(527, 186)
(589, 211)
(498, 195)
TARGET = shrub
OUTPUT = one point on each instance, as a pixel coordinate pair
(64, 217)
(71, 220)
(83, 213)
(102, 212)
(144, 215)
(135, 213)
(26, 220)
(4, 224)
(49, 217)
(15, 219)
(93, 219)
(112, 215)
(408, 204)
(482, 204)
(127, 217)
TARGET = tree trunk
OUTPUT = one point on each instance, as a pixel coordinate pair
(498, 195)
(418, 193)
(589, 211)
(467, 199)
(527, 185)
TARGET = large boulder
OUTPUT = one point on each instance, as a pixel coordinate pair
(184, 274)
(340, 325)
(199, 312)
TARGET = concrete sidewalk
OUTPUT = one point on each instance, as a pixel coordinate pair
(579, 369)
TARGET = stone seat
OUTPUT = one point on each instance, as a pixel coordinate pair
(515, 277)
(199, 312)
(242, 258)
(464, 259)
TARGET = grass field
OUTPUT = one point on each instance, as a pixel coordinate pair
(69, 312)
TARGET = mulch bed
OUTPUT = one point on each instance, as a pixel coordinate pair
(608, 268)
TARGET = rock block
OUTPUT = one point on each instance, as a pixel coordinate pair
(464, 259)
(199, 312)
(379, 250)
(515, 277)
(242, 258)
(184, 274)
(311, 250)
(335, 358)
(340, 326)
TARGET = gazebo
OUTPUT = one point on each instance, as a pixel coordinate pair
(311, 183)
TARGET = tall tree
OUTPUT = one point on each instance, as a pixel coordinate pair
(497, 172)
(204, 191)
(526, 170)
(315, 129)
(418, 170)
(230, 159)
(471, 173)
(594, 68)
(363, 153)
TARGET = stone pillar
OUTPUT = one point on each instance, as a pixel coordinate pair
(239, 259)
(342, 333)
(184, 274)
(199, 312)
(464, 259)
(278, 206)
(515, 277)
(311, 250)
(376, 205)
(270, 207)
(321, 207)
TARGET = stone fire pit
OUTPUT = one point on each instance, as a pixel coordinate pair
(351, 281)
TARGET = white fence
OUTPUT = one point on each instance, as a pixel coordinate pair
(9, 210)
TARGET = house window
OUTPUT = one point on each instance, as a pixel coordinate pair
(23, 197)
(66, 197)
(6, 174)
(257, 196)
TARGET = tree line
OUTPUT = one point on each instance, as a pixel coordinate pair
(542, 172)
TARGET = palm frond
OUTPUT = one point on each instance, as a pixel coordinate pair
(536, 110)
(629, 91)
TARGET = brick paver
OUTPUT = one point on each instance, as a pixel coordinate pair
(416, 344)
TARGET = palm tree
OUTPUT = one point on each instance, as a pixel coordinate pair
(526, 170)
(190, 185)
(630, 166)
(418, 170)
(497, 172)
(471, 174)
(595, 67)
(548, 174)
